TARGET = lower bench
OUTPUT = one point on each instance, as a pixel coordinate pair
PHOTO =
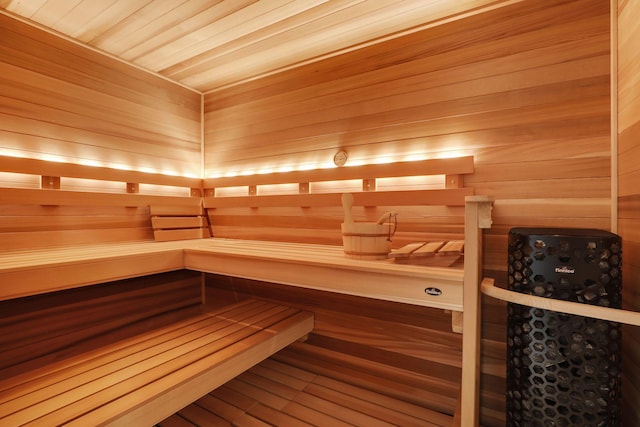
(144, 379)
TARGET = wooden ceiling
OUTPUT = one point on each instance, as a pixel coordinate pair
(210, 44)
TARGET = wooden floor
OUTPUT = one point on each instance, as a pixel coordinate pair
(276, 394)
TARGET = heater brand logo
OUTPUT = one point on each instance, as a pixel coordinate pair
(566, 270)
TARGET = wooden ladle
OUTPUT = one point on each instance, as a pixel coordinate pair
(347, 203)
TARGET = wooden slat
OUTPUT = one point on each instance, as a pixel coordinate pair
(20, 196)
(177, 222)
(175, 210)
(429, 249)
(449, 197)
(455, 246)
(179, 234)
(41, 167)
(50, 239)
(153, 375)
(407, 250)
(455, 165)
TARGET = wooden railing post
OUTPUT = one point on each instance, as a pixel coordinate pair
(477, 217)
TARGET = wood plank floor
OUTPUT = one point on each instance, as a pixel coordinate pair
(276, 394)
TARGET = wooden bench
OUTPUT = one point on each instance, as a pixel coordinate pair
(24, 273)
(146, 378)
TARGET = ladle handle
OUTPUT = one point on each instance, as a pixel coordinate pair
(347, 203)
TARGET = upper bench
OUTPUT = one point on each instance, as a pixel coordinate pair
(29, 272)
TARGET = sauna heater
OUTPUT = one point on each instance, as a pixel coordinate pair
(562, 369)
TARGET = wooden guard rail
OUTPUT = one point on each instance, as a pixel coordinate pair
(587, 310)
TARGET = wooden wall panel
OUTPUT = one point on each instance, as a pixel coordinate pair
(62, 101)
(525, 89)
(44, 328)
(409, 352)
(629, 195)
(38, 226)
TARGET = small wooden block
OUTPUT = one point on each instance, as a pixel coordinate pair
(453, 181)
(50, 182)
(369, 184)
(133, 187)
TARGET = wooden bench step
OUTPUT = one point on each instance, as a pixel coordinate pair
(142, 380)
(273, 393)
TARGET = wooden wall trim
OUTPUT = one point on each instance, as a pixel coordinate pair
(57, 169)
(628, 194)
(453, 165)
(27, 196)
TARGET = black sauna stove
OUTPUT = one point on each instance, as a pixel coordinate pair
(562, 369)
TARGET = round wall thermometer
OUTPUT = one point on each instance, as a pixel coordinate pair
(340, 158)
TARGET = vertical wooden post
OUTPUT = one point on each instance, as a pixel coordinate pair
(203, 287)
(303, 188)
(477, 216)
(613, 34)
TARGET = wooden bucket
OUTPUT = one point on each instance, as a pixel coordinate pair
(366, 240)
